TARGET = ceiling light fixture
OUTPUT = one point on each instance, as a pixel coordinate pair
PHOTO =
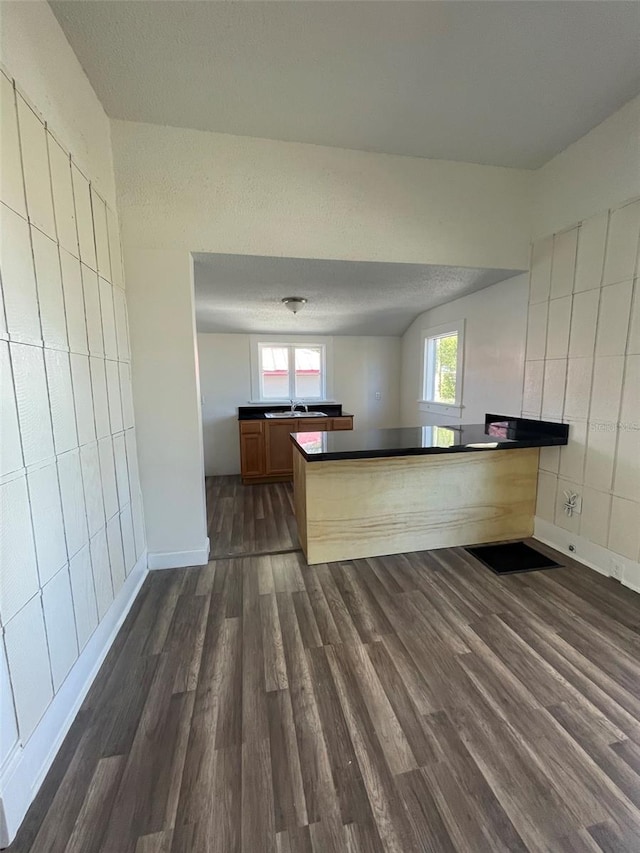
(294, 303)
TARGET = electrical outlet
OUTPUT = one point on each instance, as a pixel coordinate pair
(616, 569)
(378, 395)
(572, 503)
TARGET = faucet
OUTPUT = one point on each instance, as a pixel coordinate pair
(296, 403)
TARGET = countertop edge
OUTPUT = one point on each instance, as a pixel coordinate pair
(345, 456)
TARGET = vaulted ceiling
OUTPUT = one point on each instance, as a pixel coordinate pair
(243, 293)
(501, 83)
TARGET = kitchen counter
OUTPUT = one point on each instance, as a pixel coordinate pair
(497, 433)
(258, 411)
(375, 492)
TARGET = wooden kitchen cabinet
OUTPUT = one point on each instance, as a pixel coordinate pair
(278, 447)
(266, 452)
(278, 442)
(345, 422)
(252, 450)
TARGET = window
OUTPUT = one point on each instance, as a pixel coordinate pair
(442, 368)
(291, 371)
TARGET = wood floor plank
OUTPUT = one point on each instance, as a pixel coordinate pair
(354, 807)
(62, 812)
(199, 765)
(606, 756)
(254, 697)
(344, 624)
(295, 840)
(257, 814)
(275, 667)
(320, 795)
(389, 731)
(470, 809)
(157, 842)
(424, 817)
(288, 790)
(589, 680)
(417, 702)
(265, 576)
(538, 813)
(327, 627)
(309, 630)
(141, 800)
(185, 638)
(630, 752)
(91, 824)
(40, 810)
(230, 688)
(243, 520)
(368, 618)
(407, 714)
(610, 839)
(224, 819)
(577, 779)
(390, 819)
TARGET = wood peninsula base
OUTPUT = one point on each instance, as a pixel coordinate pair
(353, 508)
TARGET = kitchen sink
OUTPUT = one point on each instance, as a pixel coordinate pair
(295, 414)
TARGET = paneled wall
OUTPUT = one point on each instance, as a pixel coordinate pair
(72, 527)
(583, 366)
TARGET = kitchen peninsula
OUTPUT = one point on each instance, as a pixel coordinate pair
(375, 492)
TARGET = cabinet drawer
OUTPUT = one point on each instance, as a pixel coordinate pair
(342, 423)
(247, 427)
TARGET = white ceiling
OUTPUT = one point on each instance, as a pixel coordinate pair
(503, 83)
(243, 293)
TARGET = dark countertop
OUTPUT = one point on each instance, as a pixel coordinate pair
(499, 432)
(258, 411)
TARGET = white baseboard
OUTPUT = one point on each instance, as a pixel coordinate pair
(594, 556)
(179, 559)
(25, 769)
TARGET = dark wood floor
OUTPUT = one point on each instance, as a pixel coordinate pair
(409, 703)
(249, 519)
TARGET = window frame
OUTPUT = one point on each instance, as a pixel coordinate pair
(426, 404)
(291, 342)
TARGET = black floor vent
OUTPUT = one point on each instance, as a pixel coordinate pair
(512, 557)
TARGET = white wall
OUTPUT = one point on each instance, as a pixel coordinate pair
(362, 366)
(582, 351)
(225, 384)
(495, 328)
(597, 172)
(35, 51)
(182, 191)
(212, 192)
(72, 549)
(583, 367)
(167, 405)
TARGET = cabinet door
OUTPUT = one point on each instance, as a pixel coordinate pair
(252, 454)
(279, 447)
(313, 425)
(251, 426)
(342, 423)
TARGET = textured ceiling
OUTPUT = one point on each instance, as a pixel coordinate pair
(242, 293)
(503, 83)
